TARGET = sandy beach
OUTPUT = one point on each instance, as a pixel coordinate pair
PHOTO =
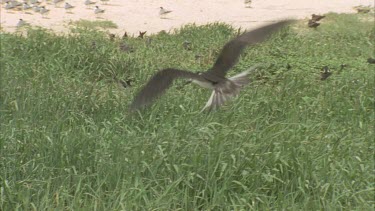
(143, 15)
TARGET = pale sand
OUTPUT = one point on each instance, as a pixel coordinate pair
(143, 15)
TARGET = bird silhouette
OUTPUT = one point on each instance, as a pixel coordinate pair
(312, 24)
(223, 88)
(141, 34)
(325, 73)
(317, 17)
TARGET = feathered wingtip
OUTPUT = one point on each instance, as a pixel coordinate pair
(228, 90)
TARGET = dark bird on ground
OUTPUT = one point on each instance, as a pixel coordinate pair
(214, 79)
(312, 24)
(125, 35)
(371, 60)
(141, 34)
(325, 73)
(112, 37)
(317, 17)
(363, 10)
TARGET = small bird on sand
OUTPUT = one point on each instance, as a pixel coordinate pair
(105, 1)
(44, 11)
(68, 7)
(35, 2)
(163, 12)
(36, 8)
(248, 3)
(88, 2)
(57, 2)
(313, 24)
(317, 17)
(98, 10)
(9, 6)
(21, 23)
(223, 88)
(26, 6)
(16, 3)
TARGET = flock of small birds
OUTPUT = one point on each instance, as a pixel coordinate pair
(36, 6)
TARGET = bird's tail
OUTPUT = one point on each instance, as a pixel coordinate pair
(228, 89)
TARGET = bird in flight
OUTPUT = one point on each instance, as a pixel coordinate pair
(223, 88)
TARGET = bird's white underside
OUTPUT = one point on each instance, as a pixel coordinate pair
(225, 90)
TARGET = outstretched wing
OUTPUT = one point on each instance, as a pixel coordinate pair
(232, 50)
(158, 84)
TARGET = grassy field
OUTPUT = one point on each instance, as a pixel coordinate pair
(290, 141)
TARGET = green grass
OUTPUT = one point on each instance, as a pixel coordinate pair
(104, 24)
(289, 141)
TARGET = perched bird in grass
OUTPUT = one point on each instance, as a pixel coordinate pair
(112, 37)
(68, 7)
(325, 73)
(125, 35)
(163, 12)
(97, 10)
(317, 17)
(313, 24)
(141, 34)
(187, 45)
(371, 61)
(223, 88)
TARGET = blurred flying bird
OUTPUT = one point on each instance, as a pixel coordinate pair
(223, 88)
